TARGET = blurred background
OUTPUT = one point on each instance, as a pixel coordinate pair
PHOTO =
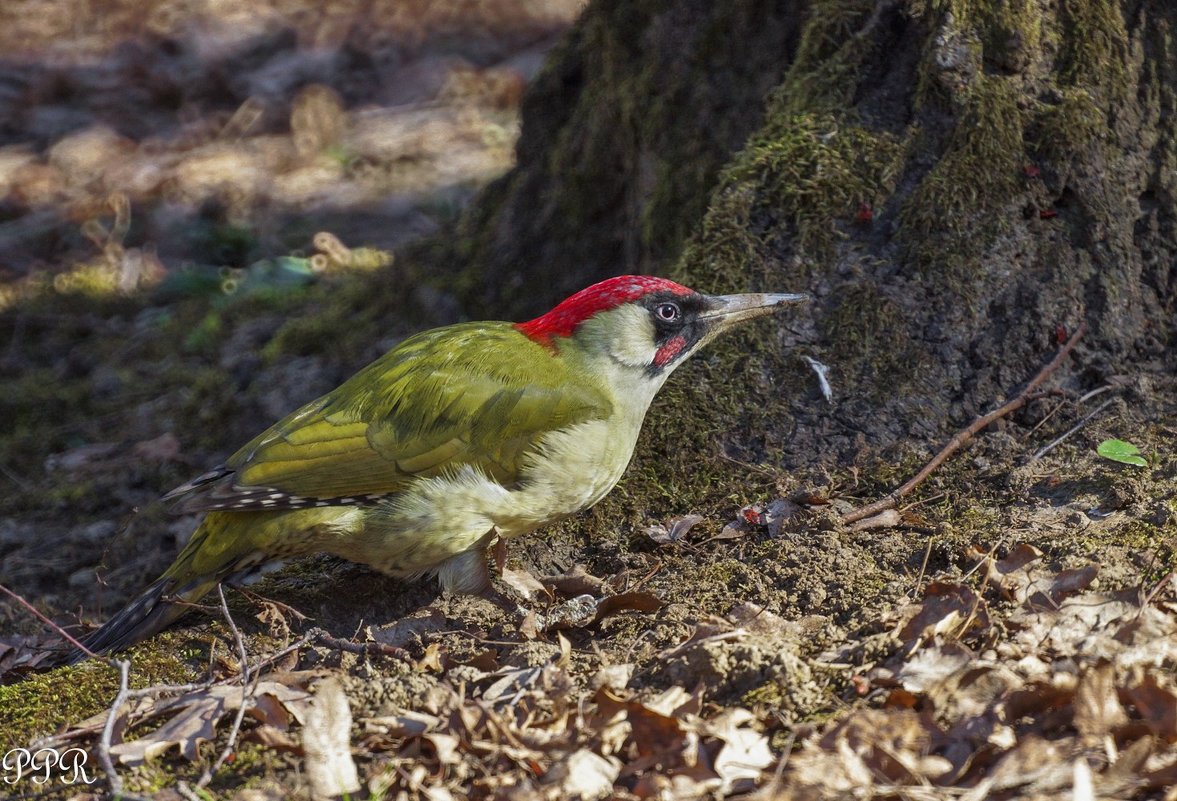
(143, 140)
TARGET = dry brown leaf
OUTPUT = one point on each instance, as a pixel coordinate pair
(1010, 574)
(22, 653)
(430, 661)
(1021, 577)
(674, 530)
(498, 553)
(513, 681)
(1089, 625)
(529, 625)
(972, 691)
(1043, 764)
(1019, 558)
(1148, 639)
(326, 742)
(678, 787)
(194, 717)
(933, 665)
(613, 677)
(565, 652)
(447, 747)
(757, 619)
(193, 724)
(522, 582)
(626, 602)
(1069, 582)
(892, 744)
(1123, 775)
(1155, 705)
(947, 610)
(1083, 673)
(583, 775)
(735, 530)
(745, 753)
(653, 731)
(866, 749)
(406, 724)
(275, 738)
(677, 701)
(1098, 711)
(577, 581)
(778, 513)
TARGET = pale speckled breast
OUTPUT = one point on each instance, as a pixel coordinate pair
(440, 517)
(573, 469)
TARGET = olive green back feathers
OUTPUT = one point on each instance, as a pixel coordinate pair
(439, 401)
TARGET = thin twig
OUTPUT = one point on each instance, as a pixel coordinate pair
(112, 777)
(161, 689)
(246, 691)
(964, 436)
(363, 648)
(1046, 418)
(14, 478)
(923, 501)
(262, 600)
(186, 792)
(1097, 391)
(1171, 578)
(1051, 446)
(923, 569)
(302, 642)
(49, 622)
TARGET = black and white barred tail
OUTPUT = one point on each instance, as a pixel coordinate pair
(188, 579)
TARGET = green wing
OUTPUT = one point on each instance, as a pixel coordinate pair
(472, 394)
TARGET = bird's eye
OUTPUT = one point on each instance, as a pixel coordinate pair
(667, 312)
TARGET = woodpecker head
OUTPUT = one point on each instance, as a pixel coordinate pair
(646, 323)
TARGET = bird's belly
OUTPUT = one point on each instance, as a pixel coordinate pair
(574, 468)
(440, 517)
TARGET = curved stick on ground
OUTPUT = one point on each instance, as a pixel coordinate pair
(962, 437)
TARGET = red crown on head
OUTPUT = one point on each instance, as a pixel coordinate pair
(608, 294)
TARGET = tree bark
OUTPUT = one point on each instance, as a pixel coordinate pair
(960, 184)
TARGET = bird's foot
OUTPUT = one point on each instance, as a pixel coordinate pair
(468, 573)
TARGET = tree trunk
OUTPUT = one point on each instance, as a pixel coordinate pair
(959, 183)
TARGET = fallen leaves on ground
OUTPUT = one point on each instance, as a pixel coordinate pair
(192, 718)
(21, 654)
(1049, 690)
(1018, 682)
(539, 733)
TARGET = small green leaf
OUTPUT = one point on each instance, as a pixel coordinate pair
(1120, 451)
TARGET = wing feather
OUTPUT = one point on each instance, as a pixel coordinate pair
(439, 401)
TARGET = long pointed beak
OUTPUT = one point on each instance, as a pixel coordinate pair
(731, 309)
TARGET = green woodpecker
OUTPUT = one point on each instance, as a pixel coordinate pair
(453, 438)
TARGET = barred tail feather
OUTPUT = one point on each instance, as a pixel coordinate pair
(212, 554)
(234, 547)
(148, 614)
